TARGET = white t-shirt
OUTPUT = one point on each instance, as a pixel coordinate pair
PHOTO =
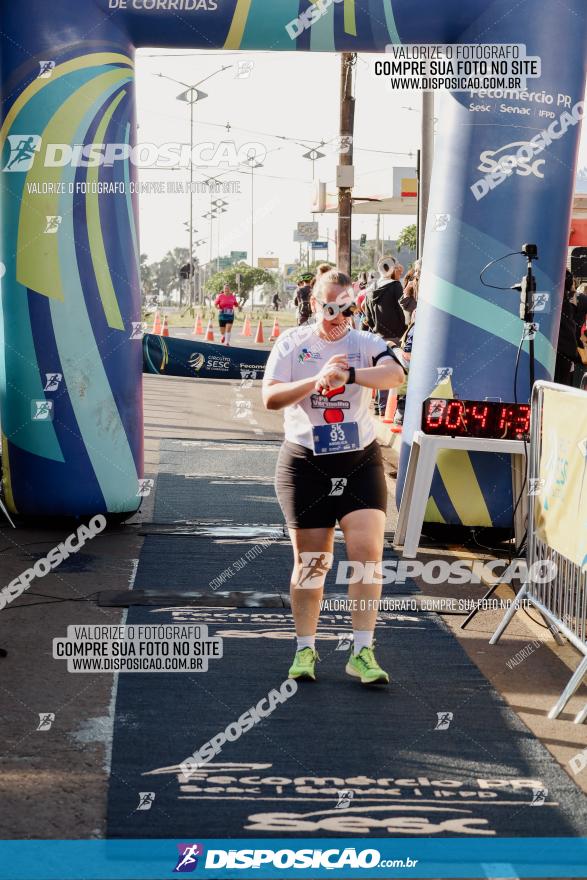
(301, 353)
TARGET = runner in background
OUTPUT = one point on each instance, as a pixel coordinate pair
(303, 296)
(330, 468)
(226, 302)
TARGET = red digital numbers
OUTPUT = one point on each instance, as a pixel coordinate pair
(514, 420)
(473, 418)
(455, 412)
(479, 412)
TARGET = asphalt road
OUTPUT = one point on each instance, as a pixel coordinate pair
(54, 781)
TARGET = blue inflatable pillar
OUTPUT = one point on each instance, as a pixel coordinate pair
(467, 334)
(71, 414)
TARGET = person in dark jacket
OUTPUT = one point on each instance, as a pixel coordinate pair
(303, 297)
(384, 315)
(566, 349)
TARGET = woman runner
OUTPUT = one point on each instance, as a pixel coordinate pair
(226, 302)
(330, 468)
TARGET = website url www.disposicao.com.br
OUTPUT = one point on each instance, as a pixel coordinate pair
(329, 859)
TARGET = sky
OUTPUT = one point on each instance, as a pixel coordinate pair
(290, 95)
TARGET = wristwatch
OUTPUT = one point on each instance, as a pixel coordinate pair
(352, 379)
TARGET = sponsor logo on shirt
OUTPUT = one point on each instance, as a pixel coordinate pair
(321, 402)
(307, 355)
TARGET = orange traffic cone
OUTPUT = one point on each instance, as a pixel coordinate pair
(157, 324)
(198, 329)
(260, 337)
(390, 409)
(165, 331)
(276, 331)
(246, 331)
(210, 332)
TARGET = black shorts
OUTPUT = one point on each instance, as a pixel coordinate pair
(314, 491)
(223, 320)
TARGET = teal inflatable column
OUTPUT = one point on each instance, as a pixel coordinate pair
(468, 334)
(71, 374)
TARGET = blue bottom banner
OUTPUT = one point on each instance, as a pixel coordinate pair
(294, 857)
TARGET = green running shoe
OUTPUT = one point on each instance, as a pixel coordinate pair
(364, 666)
(303, 667)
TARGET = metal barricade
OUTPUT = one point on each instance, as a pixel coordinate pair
(557, 487)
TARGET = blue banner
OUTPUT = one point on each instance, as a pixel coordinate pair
(286, 858)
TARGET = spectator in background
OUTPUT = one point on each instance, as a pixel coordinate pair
(322, 269)
(406, 346)
(581, 318)
(384, 315)
(409, 300)
(566, 350)
(302, 297)
(276, 302)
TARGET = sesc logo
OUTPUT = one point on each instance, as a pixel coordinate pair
(511, 159)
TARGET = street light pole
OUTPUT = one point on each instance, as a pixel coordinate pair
(254, 164)
(345, 201)
(191, 257)
(191, 95)
(252, 214)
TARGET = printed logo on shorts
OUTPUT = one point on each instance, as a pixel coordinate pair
(338, 485)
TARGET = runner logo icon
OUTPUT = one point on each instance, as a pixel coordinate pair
(46, 719)
(22, 151)
(345, 797)
(444, 719)
(188, 857)
(315, 567)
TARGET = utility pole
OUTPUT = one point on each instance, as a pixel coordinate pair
(378, 240)
(345, 170)
(426, 159)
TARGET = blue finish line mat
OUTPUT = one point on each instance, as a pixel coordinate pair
(438, 753)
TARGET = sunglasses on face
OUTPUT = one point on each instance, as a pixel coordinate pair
(331, 309)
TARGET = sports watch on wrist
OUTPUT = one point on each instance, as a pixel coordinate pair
(352, 378)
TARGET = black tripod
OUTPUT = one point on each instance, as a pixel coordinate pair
(527, 290)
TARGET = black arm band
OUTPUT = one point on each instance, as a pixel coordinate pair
(352, 376)
(389, 352)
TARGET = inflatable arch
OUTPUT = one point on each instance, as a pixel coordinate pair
(71, 363)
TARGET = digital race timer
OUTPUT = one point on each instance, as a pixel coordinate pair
(476, 418)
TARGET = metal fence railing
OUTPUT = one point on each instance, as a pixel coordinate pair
(557, 523)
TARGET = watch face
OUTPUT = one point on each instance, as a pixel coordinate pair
(491, 419)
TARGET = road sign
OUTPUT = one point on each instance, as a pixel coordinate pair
(268, 263)
(314, 155)
(405, 182)
(319, 245)
(238, 255)
(290, 269)
(307, 231)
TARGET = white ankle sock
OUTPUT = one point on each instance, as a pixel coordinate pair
(362, 638)
(306, 642)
